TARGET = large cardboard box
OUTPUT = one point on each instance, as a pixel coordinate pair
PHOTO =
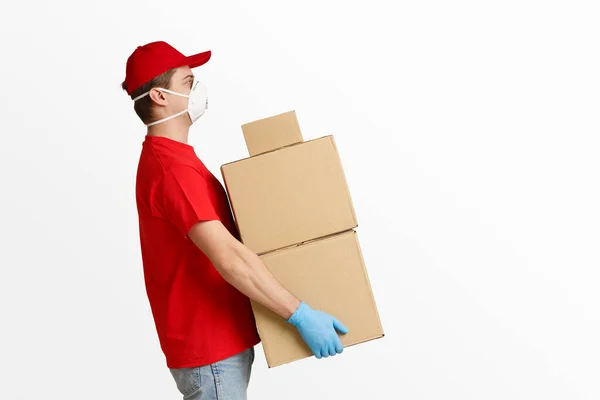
(329, 275)
(290, 195)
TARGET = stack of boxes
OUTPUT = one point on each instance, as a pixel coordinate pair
(293, 208)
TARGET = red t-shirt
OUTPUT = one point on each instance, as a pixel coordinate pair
(199, 317)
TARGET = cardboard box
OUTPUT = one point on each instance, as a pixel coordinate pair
(272, 133)
(292, 206)
(289, 196)
(329, 275)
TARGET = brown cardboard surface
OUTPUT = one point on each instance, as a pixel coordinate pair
(290, 195)
(272, 133)
(329, 275)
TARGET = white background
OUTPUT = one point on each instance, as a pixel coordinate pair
(468, 131)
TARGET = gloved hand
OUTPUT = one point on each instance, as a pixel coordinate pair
(318, 330)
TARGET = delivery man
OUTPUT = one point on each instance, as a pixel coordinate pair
(198, 275)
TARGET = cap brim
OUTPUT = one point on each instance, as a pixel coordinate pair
(198, 59)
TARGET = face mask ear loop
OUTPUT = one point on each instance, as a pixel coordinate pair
(162, 90)
(175, 93)
(140, 96)
(168, 118)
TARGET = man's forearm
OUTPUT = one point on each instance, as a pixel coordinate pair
(247, 273)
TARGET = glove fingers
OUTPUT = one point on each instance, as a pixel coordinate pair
(317, 353)
(325, 351)
(339, 326)
(339, 348)
(315, 349)
(332, 350)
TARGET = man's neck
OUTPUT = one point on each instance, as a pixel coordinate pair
(175, 129)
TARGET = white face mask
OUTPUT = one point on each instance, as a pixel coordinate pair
(197, 102)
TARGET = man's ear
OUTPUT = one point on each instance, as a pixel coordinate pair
(158, 96)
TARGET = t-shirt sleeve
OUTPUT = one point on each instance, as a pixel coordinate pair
(186, 199)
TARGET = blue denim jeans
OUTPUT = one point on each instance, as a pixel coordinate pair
(224, 380)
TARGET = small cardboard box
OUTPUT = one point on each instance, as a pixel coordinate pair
(290, 195)
(272, 133)
(329, 275)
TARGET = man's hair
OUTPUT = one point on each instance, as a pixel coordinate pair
(143, 107)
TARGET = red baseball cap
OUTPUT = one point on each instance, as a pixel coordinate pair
(152, 59)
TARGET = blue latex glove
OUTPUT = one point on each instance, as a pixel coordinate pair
(318, 330)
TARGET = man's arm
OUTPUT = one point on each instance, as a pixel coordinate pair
(242, 268)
